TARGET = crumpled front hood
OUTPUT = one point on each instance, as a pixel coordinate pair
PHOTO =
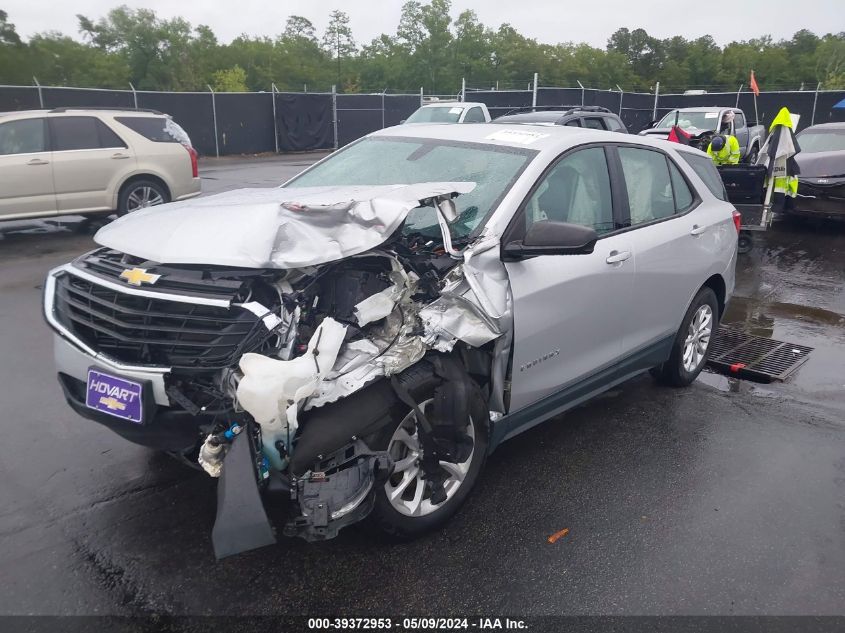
(271, 228)
(820, 164)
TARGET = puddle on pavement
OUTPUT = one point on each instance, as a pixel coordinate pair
(734, 385)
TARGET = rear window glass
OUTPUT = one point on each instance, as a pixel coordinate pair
(82, 132)
(703, 166)
(157, 129)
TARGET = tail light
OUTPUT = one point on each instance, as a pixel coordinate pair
(737, 220)
(194, 167)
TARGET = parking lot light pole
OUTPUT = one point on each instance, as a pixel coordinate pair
(134, 95)
(741, 86)
(214, 119)
(582, 91)
(534, 92)
(463, 89)
(621, 94)
(421, 96)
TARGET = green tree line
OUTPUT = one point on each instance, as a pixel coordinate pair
(429, 49)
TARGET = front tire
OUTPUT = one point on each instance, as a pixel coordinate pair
(141, 194)
(403, 509)
(692, 343)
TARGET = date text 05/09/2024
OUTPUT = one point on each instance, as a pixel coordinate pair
(416, 624)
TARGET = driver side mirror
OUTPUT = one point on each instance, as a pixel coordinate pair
(548, 237)
(652, 124)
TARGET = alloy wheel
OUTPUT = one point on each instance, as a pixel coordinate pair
(143, 197)
(698, 338)
(406, 488)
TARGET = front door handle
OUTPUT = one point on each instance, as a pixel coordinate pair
(616, 257)
(697, 230)
(119, 156)
(38, 161)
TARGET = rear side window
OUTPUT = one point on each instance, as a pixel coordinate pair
(680, 188)
(157, 129)
(648, 183)
(739, 120)
(573, 123)
(594, 123)
(81, 132)
(706, 170)
(22, 137)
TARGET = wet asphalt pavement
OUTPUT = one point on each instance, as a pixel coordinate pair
(725, 498)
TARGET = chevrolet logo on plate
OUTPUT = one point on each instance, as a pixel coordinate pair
(138, 276)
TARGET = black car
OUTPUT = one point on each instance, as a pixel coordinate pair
(593, 117)
(821, 178)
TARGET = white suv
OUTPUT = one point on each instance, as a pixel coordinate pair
(91, 161)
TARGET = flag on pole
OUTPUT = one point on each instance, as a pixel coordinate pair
(753, 85)
(678, 135)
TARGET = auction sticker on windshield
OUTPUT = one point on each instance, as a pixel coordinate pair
(515, 136)
(115, 396)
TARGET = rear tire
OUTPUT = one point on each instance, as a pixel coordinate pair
(692, 343)
(402, 509)
(140, 194)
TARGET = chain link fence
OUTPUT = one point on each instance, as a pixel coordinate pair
(260, 122)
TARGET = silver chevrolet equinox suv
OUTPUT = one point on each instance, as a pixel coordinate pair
(92, 161)
(353, 344)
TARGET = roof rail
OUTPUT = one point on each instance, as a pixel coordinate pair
(106, 108)
(565, 109)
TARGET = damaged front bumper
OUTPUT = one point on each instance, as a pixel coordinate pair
(295, 370)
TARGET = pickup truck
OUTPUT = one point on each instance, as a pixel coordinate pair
(450, 112)
(703, 123)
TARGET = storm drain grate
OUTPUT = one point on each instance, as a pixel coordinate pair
(742, 355)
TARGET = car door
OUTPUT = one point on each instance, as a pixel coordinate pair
(569, 310)
(671, 239)
(26, 169)
(88, 161)
(741, 131)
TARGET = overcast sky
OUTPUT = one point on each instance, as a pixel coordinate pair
(549, 21)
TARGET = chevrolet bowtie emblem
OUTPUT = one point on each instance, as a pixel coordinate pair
(138, 276)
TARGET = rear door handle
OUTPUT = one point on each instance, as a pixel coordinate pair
(697, 230)
(119, 156)
(38, 161)
(616, 257)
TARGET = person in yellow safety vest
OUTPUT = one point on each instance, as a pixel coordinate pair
(724, 150)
